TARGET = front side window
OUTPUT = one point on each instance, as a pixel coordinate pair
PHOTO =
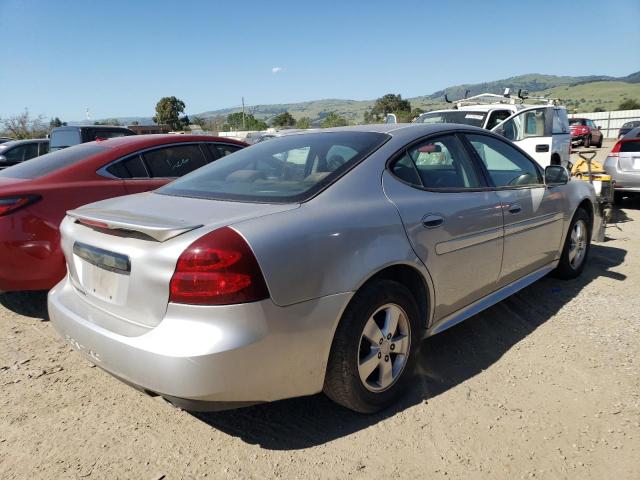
(507, 167)
(525, 125)
(285, 169)
(174, 161)
(497, 117)
(560, 121)
(440, 163)
(16, 154)
(220, 150)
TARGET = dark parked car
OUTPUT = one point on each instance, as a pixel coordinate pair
(585, 131)
(17, 151)
(633, 133)
(5, 139)
(35, 195)
(63, 137)
(627, 127)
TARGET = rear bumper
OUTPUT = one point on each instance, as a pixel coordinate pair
(624, 181)
(199, 356)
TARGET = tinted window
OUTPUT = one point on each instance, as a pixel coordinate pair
(632, 146)
(103, 134)
(220, 150)
(51, 162)
(506, 165)
(44, 148)
(633, 133)
(131, 167)
(289, 168)
(64, 138)
(455, 116)
(174, 161)
(440, 163)
(22, 152)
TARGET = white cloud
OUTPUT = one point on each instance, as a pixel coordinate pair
(277, 69)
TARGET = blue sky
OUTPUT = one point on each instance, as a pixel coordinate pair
(117, 58)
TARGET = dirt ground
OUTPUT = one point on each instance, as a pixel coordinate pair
(543, 385)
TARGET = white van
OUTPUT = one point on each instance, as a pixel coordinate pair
(540, 130)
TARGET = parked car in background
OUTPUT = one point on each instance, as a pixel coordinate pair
(18, 151)
(35, 195)
(542, 131)
(623, 164)
(627, 127)
(633, 133)
(5, 139)
(313, 262)
(68, 136)
(584, 131)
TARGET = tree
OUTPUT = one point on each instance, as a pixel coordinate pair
(629, 104)
(599, 109)
(303, 122)
(168, 110)
(389, 103)
(56, 122)
(200, 121)
(284, 119)
(23, 126)
(333, 120)
(240, 121)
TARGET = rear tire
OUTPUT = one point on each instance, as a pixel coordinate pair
(617, 198)
(576, 247)
(371, 360)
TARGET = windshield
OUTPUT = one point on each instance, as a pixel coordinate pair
(577, 121)
(50, 162)
(454, 116)
(285, 169)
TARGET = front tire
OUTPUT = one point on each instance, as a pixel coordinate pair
(375, 348)
(587, 141)
(599, 145)
(576, 247)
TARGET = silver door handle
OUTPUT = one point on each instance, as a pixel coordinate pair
(432, 221)
(515, 208)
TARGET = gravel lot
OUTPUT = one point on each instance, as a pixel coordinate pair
(545, 385)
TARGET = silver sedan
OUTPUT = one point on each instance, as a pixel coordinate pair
(313, 262)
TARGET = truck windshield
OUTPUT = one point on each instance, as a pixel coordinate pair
(454, 116)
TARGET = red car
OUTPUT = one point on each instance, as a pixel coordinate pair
(585, 131)
(35, 195)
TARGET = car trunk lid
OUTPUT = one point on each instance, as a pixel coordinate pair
(629, 155)
(122, 260)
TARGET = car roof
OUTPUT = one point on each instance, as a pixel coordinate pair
(13, 143)
(160, 139)
(90, 127)
(396, 129)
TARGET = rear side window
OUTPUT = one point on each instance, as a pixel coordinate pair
(285, 169)
(22, 152)
(131, 167)
(219, 150)
(64, 138)
(92, 135)
(174, 161)
(51, 162)
(506, 166)
(633, 146)
(44, 147)
(440, 163)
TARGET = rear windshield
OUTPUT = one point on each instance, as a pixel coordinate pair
(50, 162)
(285, 169)
(630, 146)
(458, 116)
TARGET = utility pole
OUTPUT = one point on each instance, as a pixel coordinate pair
(243, 122)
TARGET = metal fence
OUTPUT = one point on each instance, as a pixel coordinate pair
(610, 122)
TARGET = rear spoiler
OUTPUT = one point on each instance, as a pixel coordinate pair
(160, 229)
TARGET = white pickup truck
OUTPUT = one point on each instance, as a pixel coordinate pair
(540, 130)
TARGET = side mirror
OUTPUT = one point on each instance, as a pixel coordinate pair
(500, 131)
(556, 175)
(599, 127)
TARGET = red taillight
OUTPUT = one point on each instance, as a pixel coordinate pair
(615, 151)
(218, 269)
(11, 204)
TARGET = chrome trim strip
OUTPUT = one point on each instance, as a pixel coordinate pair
(468, 240)
(531, 223)
(110, 261)
(488, 301)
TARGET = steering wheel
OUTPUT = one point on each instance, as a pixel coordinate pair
(524, 179)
